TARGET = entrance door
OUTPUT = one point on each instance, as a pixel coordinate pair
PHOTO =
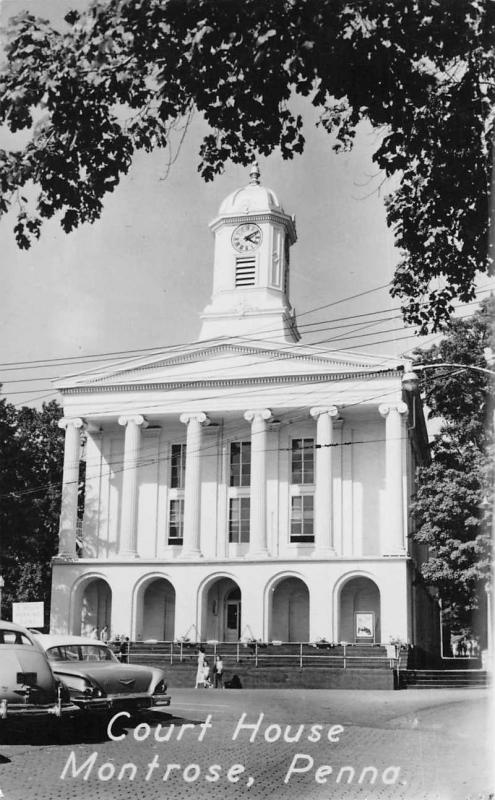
(232, 620)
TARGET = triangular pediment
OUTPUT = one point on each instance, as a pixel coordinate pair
(229, 360)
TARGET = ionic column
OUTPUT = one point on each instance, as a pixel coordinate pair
(132, 451)
(323, 488)
(192, 488)
(257, 523)
(393, 539)
(70, 484)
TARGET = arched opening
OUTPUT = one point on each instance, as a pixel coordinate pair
(155, 610)
(222, 616)
(290, 611)
(95, 607)
(359, 617)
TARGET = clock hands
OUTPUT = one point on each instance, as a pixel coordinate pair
(246, 237)
(249, 237)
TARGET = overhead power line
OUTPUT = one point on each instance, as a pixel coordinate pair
(290, 348)
(167, 349)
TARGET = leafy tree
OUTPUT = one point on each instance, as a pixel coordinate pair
(31, 461)
(454, 502)
(123, 74)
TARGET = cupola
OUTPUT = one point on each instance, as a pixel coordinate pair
(253, 236)
(251, 198)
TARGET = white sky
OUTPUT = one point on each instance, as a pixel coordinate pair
(139, 277)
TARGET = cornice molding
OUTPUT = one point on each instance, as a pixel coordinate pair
(206, 384)
(276, 355)
(257, 216)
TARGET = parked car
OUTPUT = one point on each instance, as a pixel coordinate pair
(97, 680)
(28, 687)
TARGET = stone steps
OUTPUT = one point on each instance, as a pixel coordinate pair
(288, 656)
(247, 666)
(189, 652)
(444, 679)
(242, 676)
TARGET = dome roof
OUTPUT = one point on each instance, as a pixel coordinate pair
(251, 198)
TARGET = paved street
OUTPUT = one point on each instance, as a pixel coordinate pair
(308, 744)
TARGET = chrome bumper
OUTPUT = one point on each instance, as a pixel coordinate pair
(161, 700)
(16, 710)
(122, 701)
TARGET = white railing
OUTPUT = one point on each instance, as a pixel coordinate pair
(298, 654)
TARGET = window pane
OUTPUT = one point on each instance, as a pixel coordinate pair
(296, 461)
(302, 519)
(302, 465)
(246, 464)
(176, 522)
(235, 463)
(178, 466)
(240, 463)
(239, 519)
(309, 459)
(244, 521)
(233, 519)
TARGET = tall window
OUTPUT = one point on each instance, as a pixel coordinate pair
(176, 503)
(176, 521)
(240, 463)
(239, 519)
(301, 520)
(302, 491)
(239, 500)
(303, 461)
(178, 466)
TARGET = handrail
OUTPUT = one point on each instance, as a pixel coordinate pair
(260, 654)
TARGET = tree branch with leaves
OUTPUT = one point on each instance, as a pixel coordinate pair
(421, 72)
(454, 501)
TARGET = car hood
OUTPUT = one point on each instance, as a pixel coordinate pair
(112, 677)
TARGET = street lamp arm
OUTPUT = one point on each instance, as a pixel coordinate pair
(454, 364)
(410, 379)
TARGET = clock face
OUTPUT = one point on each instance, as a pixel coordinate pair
(247, 237)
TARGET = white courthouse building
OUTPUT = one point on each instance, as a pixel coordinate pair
(244, 486)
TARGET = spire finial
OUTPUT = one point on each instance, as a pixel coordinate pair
(254, 174)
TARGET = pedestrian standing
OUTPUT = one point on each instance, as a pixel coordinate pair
(206, 675)
(199, 671)
(94, 634)
(104, 634)
(124, 651)
(218, 672)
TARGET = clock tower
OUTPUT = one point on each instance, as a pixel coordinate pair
(250, 296)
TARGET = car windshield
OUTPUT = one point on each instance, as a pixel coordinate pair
(80, 652)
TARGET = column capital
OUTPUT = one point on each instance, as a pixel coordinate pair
(317, 411)
(400, 407)
(76, 422)
(257, 413)
(137, 419)
(198, 416)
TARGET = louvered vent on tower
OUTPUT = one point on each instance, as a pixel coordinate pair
(245, 270)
